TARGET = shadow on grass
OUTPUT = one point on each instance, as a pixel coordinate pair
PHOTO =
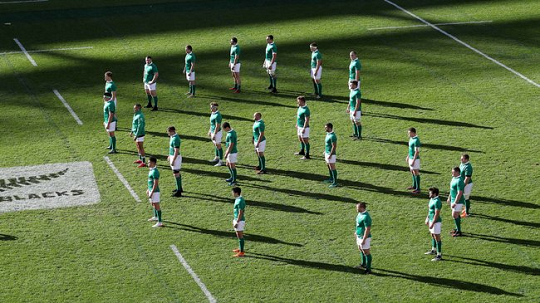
(516, 222)
(524, 242)
(308, 264)
(250, 202)
(394, 104)
(221, 175)
(383, 166)
(205, 115)
(182, 136)
(4, 237)
(253, 102)
(428, 120)
(426, 145)
(514, 268)
(506, 202)
(227, 234)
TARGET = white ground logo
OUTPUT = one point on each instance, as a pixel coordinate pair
(47, 186)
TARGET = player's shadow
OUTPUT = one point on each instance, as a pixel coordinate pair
(427, 120)
(383, 166)
(516, 222)
(4, 237)
(250, 101)
(308, 264)
(205, 115)
(393, 104)
(220, 175)
(250, 202)
(524, 242)
(506, 202)
(514, 268)
(426, 145)
(227, 234)
(182, 136)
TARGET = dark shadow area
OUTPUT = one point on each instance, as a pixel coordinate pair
(182, 136)
(506, 202)
(205, 115)
(516, 222)
(226, 234)
(299, 193)
(426, 145)
(250, 202)
(427, 120)
(383, 166)
(252, 102)
(524, 242)
(221, 175)
(514, 268)
(4, 237)
(394, 104)
(445, 282)
(308, 264)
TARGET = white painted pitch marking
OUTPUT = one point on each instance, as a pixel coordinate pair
(68, 107)
(22, 1)
(425, 25)
(25, 52)
(463, 43)
(122, 179)
(49, 50)
(211, 298)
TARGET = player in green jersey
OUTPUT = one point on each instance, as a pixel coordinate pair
(189, 70)
(137, 133)
(175, 159)
(215, 133)
(150, 76)
(110, 86)
(153, 191)
(316, 69)
(259, 141)
(109, 120)
(270, 62)
(231, 152)
(354, 108)
(354, 68)
(363, 236)
(413, 160)
(466, 175)
(433, 221)
(302, 127)
(330, 146)
(456, 199)
(239, 221)
(234, 65)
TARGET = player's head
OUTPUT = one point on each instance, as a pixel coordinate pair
(189, 49)
(301, 100)
(361, 207)
(171, 130)
(353, 84)
(234, 41)
(107, 96)
(236, 191)
(412, 132)
(257, 116)
(137, 107)
(148, 59)
(464, 158)
(152, 162)
(214, 106)
(108, 76)
(227, 126)
(353, 55)
(313, 46)
(328, 127)
(433, 192)
(456, 171)
(269, 38)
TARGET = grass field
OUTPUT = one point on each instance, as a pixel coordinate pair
(299, 239)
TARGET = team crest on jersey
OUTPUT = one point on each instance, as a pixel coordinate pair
(47, 186)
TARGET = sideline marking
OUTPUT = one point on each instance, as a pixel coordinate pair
(122, 179)
(425, 25)
(463, 43)
(68, 107)
(25, 52)
(211, 298)
(49, 50)
(22, 1)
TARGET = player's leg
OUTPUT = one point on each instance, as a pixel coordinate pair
(228, 164)
(456, 212)
(366, 249)
(112, 137)
(439, 244)
(153, 92)
(158, 212)
(262, 160)
(238, 82)
(333, 170)
(302, 146)
(305, 140)
(148, 96)
(433, 244)
(233, 171)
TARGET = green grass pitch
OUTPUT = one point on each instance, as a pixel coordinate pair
(300, 245)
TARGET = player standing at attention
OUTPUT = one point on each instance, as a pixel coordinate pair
(466, 175)
(175, 159)
(215, 133)
(363, 236)
(270, 62)
(231, 154)
(302, 127)
(189, 70)
(355, 109)
(456, 199)
(137, 131)
(109, 120)
(354, 68)
(316, 69)
(330, 147)
(259, 141)
(433, 221)
(234, 65)
(239, 221)
(110, 86)
(153, 191)
(413, 160)
(150, 76)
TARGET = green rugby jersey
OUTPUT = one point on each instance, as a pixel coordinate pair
(258, 128)
(190, 58)
(315, 56)
(239, 204)
(355, 95)
(363, 220)
(174, 142)
(271, 49)
(414, 143)
(149, 71)
(301, 114)
(330, 139)
(456, 185)
(137, 127)
(353, 68)
(235, 51)
(466, 171)
(109, 109)
(215, 119)
(153, 175)
(434, 204)
(232, 139)
(110, 86)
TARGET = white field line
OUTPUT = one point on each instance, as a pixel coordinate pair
(464, 44)
(211, 298)
(25, 52)
(68, 107)
(22, 1)
(425, 25)
(49, 50)
(122, 179)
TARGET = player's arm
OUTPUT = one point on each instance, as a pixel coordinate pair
(319, 63)
(236, 57)
(156, 75)
(435, 217)
(134, 128)
(274, 56)
(176, 153)
(333, 150)
(416, 152)
(467, 180)
(240, 214)
(306, 123)
(217, 129)
(156, 182)
(357, 75)
(113, 95)
(358, 103)
(458, 196)
(366, 234)
(111, 115)
(192, 67)
(260, 138)
(228, 151)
